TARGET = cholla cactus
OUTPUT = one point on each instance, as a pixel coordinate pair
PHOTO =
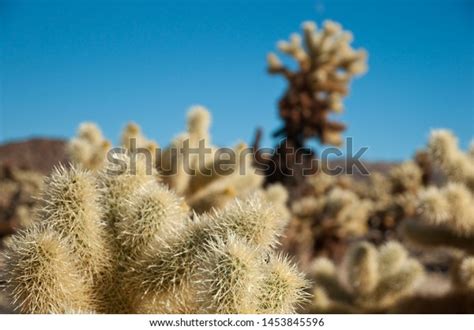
(122, 242)
(179, 163)
(17, 197)
(405, 177)
(58, 264)
(89, 148)
(213, 177)
(445, 219)
(133, 140)
(445, 214)
(340, 208)
(281, 290)
(206, 179)
(217, 189)
(374, 279)
(42, 274)
(393, 198)
(327, 64)
(327, 221)
(230, 274)
(456, 165)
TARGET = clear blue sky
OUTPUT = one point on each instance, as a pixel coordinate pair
(65, 62)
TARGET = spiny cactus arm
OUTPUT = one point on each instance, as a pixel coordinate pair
(224, 167)
(277, 195)
(322, 303)
(251, 219)
(71, 208)
(174, 167)
(362, 268)
(463, 274)
(308, 207)
(230, 276)
(329, 295)
(215, 196)
(198, 122)
(133, 138)
(466, 272)
(166, 268)
(395, 285)
(391, 257)
(406, 177)
(433, 207)
(376, 279)
(321, 183)
(153, 213)
(41, 275)
(89, 148)
(182, 169)
(461, 208)
(283, 288)
(325, 276)
(119, 179)
(456, 164)
(224, 189)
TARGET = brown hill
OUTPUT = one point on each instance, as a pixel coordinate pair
(35, 154)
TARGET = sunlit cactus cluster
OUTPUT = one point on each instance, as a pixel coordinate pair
(89, 148)
(433, 217)
(445, 212)
(205, 175)
(373, 280)
(338, 209)
(125, 243)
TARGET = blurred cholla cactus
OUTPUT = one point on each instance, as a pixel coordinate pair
(326, 65)
(323, 225)
(89, 148)
(456, 165)
(393, 197)
(17, 197)
(372, 280)
(338, 209)
(405, 177)
(117, 243)
(213, 177)
(133, 140)
(446, 220)
(209, 178)
(463, 274)
(445, 215)
(342, 210)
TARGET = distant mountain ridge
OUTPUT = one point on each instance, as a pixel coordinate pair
(41, 154)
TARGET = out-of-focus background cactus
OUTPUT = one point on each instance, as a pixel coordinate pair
(174, 234)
